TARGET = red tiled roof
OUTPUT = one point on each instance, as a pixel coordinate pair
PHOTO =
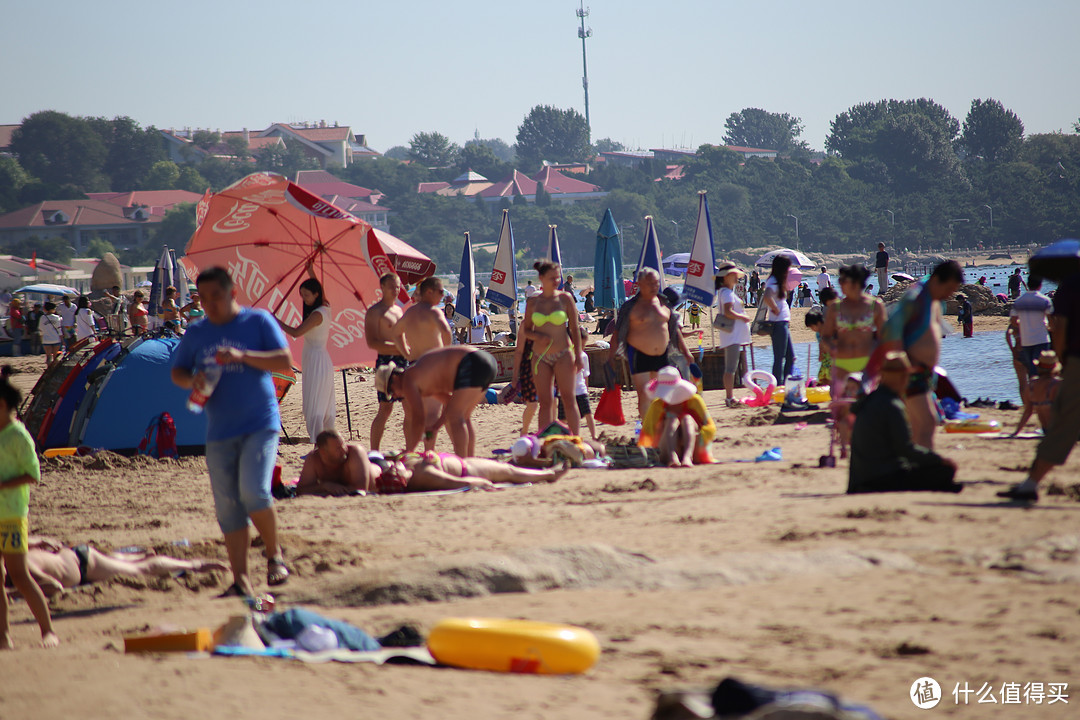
(430, 187)
(6, 131)
(555, 182)
(516, 183)
(338, 187)
(356, 207)
(328, 134)
(150, 198)
(79, 212)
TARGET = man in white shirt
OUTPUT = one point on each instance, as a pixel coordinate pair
(823, 281)
(67, 311)
(1029, 314)
(480, 329)
(530, 290)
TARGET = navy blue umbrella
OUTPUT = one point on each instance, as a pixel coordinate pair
(1056, 261)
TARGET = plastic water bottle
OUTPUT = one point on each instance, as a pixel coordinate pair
(197, 400)
(795, 388)
(637, 429)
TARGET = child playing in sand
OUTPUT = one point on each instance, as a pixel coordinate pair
(677, 422)
(581, 385)
(816, 321)
(1042, 391)
(19, 470)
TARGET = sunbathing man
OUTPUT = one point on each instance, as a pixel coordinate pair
(339, 468)
(378, 322)
(423, 327)
(55, 567)
(915, 328)
(454, 376)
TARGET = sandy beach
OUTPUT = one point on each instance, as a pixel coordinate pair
(765, 571)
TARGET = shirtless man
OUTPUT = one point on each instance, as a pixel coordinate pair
(423, 327)
(647, 327)
(454, 376)
(378, 323)
(338, 468)
(914, 326)
(55, 567)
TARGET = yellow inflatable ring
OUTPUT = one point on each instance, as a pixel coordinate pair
(972, 426)
(816, 395)
(517, 646)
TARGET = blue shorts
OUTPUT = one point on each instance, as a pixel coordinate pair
(1029, 355)
(240, 469)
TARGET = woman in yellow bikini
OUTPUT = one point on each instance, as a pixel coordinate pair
(852, 331)
(551, 323)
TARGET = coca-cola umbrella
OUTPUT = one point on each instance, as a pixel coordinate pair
(265, 230)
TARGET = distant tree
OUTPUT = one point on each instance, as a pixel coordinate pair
(286, 160)
(754, 127)
(548, 133)
(191, 180)
(481, 158)
(432, 149)
(991, 132)
(543, 199)
(35, 192)
(12, 180)
(163, 175)
(1076, 127)
(175, 229)
(398, 152)
(238, 147)
(132, 151)
(53, 248)
(608, 145)
(205, 139)
(61, 149)
(498, 146)
(97, 248)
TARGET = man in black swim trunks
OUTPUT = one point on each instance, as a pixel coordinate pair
(55, 567)
(647, 327)
(456, 376)
(378, 322)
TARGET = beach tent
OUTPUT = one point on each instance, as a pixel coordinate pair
(105, 396)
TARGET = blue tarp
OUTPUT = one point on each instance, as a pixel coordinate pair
(139, 389)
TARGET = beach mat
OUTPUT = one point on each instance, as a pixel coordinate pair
(393, 656)
(1006, 436)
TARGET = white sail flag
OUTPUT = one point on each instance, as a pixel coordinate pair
(700, 272)
(503, 288)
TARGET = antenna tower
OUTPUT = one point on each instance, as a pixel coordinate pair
(585, 34)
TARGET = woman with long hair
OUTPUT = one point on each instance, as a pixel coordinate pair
(775, 298)
(317, 369)
(734, 330)
(85, 320)
(551, 323)
(851, 332)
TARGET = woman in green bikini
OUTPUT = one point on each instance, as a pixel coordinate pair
(551, 323)
(852, 331)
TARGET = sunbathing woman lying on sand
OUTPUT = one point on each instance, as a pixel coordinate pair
(337, 468)
(55, 567)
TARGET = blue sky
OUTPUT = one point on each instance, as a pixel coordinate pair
(661, 74)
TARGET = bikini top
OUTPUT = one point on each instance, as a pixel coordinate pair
(558, 317)
(863, 324)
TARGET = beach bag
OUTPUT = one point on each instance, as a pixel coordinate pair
(159, 440)
(609, 410)
(761, 326)
(723, 323)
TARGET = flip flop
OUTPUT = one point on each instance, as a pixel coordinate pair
(233, 590)
(277, 573)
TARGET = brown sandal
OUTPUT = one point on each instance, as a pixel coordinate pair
(277, 573)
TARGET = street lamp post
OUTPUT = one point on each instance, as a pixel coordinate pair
(796, 231)
(892, 218)
(991, 214)
(676, 224)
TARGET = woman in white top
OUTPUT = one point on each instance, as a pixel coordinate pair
(735, 336)
(52, 333)
(84, 320)
(775, 298)
(317, 369)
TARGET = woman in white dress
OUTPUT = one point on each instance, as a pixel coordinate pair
(317, 370)
(85, 319)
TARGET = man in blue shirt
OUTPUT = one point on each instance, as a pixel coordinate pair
(242, 417)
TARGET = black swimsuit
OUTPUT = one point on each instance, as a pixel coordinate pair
(83, 553)
(476, 370)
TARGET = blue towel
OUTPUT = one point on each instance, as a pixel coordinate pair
(291, 623)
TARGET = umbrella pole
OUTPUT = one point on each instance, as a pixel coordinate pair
(348, 413)
(808, 348)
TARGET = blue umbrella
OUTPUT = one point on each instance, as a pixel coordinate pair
(607, 265)
(1056, 261)
(650, 253)
(465, 306)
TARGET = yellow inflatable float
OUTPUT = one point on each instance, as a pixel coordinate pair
(516, 646)
(814, 395)
(972, 426)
